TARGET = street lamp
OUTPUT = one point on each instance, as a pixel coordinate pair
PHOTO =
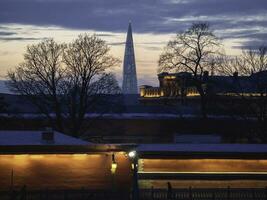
(134, 157)
(132, 154)
(113, 165)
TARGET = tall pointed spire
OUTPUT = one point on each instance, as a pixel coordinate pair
(129, 84)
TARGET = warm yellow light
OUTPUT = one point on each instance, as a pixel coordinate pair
(193, 94)
(133, 165)
(169, 77)
(142, 92)
(22, 156)
(79, 156)
(204, 165)
(113, 167)
(36, 156)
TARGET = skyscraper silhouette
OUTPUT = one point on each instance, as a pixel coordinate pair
(129, 84)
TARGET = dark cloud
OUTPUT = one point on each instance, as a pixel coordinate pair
(19, 38)
(154, 16)
(105, 35)
(4, 33)
(116, 43)
(251, 44)
(153, 48)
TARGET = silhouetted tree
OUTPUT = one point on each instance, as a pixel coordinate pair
(253, 64)
(63, 80)
(87, 60)
(40, 78)
(3, 105)
(191, 51)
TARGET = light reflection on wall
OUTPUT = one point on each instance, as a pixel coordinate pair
(203, 165)
(63, 171)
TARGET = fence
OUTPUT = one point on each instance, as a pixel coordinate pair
(145, 194)
(205, 194)
(81, 194)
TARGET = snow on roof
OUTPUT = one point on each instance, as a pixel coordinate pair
(11, 138)
(198, 148)
(197, 139)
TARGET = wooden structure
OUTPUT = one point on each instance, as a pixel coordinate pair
(203, 165)
(64, 163)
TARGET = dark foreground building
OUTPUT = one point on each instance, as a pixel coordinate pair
(49, 160)
(46, 165)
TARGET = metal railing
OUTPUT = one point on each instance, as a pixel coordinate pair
(144, 194)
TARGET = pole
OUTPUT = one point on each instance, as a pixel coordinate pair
(135, 194)
(12, 179)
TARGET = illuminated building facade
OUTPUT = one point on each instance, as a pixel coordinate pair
(181, 85)
(171, 85)
(52, 160)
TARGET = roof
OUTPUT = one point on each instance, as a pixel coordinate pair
(197, 138)
(30, 142)
(204, 150)
(11, 138)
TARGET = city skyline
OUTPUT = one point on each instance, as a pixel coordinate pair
(154, 22)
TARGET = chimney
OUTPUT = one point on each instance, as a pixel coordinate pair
(205, 75)
(235, 75)
(48, 135)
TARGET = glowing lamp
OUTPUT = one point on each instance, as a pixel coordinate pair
(132, 154)
(113, 165)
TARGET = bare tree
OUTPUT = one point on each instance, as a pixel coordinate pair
(255, 65)
(64, 79)
(251, 64)
(227, 65)
(40, 77)
(190, 51)
(87, 60)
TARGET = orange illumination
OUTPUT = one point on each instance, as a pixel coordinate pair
(113, 168)
(169, 77)
(79, 156)
(22, 156)
(204, 165)
(59, 171)
(36, 156)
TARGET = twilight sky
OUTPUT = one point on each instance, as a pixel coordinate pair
(239, 23)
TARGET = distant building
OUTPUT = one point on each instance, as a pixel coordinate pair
(170, 85)
(181, 85)
(129, 84)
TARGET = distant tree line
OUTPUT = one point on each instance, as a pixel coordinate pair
(197, 50)
(253, 63)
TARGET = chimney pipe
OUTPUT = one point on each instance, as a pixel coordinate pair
(235, 75)
(205, 75)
